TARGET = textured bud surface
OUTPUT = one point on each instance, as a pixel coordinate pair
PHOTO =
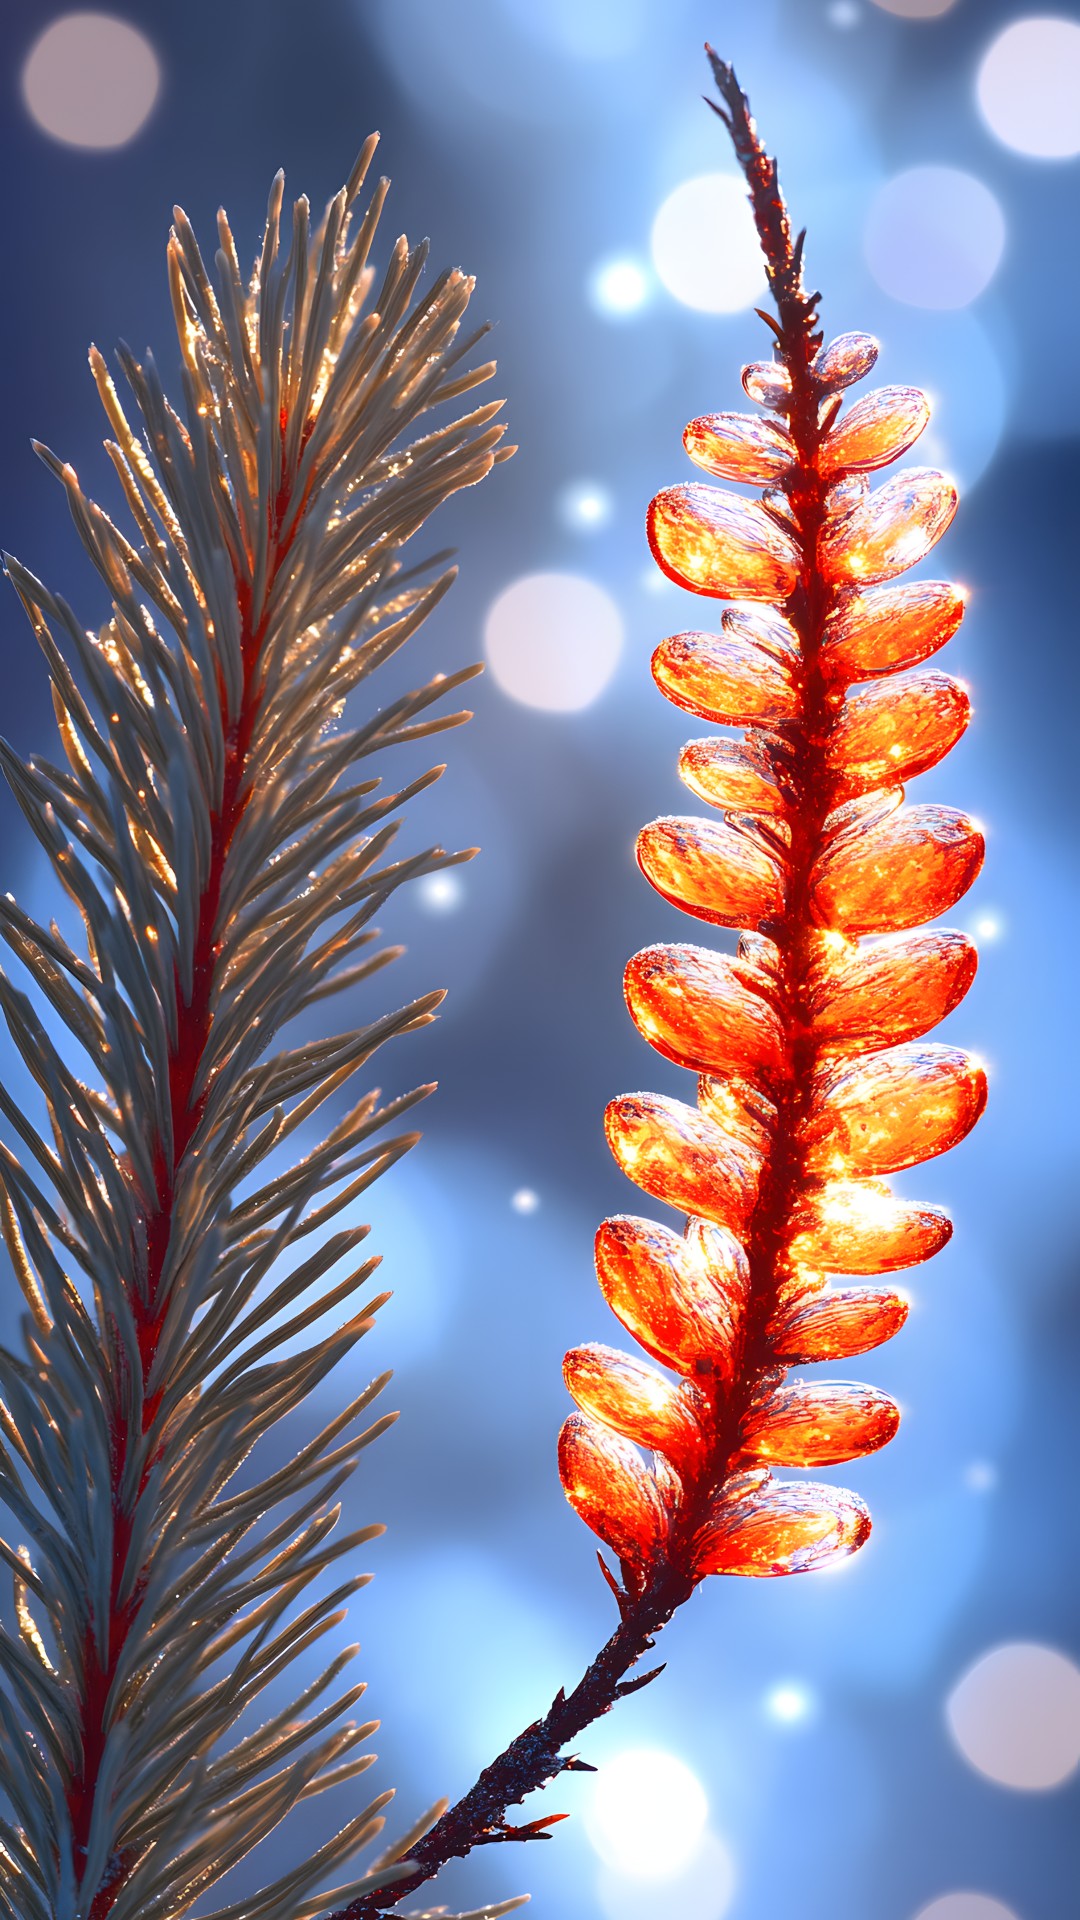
(815, 1077)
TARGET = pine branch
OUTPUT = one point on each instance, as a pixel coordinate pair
(227, 864)
(814, 1079)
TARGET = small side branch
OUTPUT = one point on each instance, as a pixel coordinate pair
(535, 1757)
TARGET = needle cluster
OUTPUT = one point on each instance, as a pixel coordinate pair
(185, 1241)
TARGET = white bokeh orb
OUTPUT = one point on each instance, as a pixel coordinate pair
(701, 1890)
(934, 237)
(1028, 87)
(585, 506)
(619, 287)
(440, 892)
(553, 641)
(704, 246)
(525, 1200)
(91, 80)
(1015, 1716)
(965, 1906)
(646, 1814)
(789, 1703)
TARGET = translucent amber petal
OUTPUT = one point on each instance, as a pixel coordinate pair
(851, 490)
(896, 728)
(778, 503)
(746, 1116)
(720, 544)
(740, 446)
(819, 1425)
(878, 428)
(892, 529)
(837, 1323)
(785, 1527)
(892, 1109)
(700, 1009)
(609, 1487)
(858, 1226)
(848, 358)
(681, 1298)
(858, 815)
(676, 1154)
(767, 382)
(725, 677)
(889, 627)
(906, 869)
(669, 1483)
(726, 773)
(636, 1401)
(718, 870)
(889, 990)
(761, 953)
(765, 627)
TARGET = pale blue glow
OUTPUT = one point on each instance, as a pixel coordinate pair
(935, 237)
(790, 1702)
(585, 506)
(646, 1814)
(619, 286)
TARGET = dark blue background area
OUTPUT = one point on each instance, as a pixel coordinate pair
(527, 166)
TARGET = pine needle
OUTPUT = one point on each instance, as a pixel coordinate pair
(207, 824)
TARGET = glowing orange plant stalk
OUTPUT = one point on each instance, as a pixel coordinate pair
(814, 1077)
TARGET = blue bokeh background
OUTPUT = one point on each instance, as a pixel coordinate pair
(532, 140)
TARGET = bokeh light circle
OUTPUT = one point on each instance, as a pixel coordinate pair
(585, 506)
(646, 1814)
(1028, 87)
(934, 237)
(702, 1890)
(965, 1906)
(1015, 1716)
(704, 247)
(440, 892)
(91, 80)
(916, 9)
(553, 641)
(619, 287)
(789, 1702)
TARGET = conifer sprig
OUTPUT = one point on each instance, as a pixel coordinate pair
(175, 1227)
(813, 1076)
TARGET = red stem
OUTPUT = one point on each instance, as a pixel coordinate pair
(193, 1021)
